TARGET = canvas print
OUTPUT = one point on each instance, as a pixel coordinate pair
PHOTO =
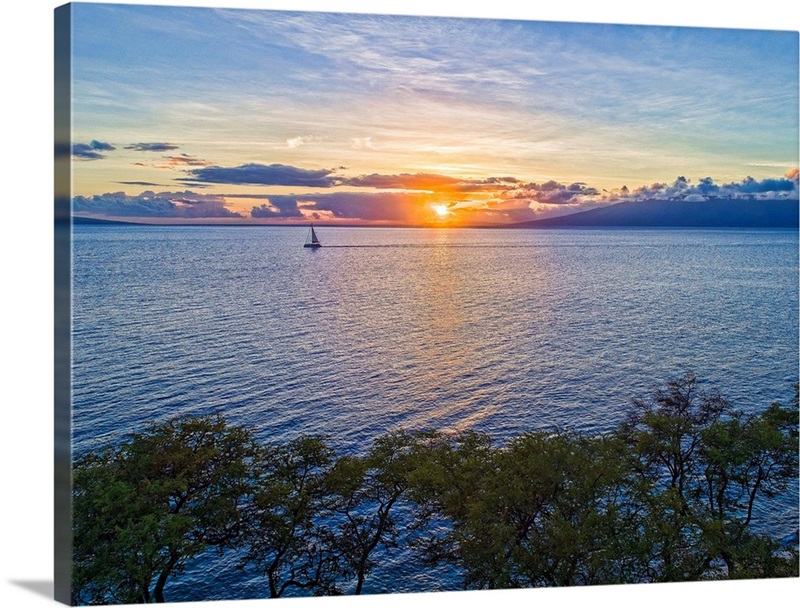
(360, 304)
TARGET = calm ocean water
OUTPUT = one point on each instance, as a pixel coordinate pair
(496, 330)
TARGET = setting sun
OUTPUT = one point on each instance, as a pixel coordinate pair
(441, 210)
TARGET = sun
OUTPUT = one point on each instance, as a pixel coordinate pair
(441, 210)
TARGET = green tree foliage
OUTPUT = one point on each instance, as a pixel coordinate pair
(746, 457)
(363, 495)
(671, 494)
(143, 508)
(284, 540)
(564, 496)
(452, 470)
(702, 466)
(547, 509)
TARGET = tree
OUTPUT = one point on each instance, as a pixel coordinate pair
(747, 457)
(565, 498)
(702, 467)
(284, 539)
(144, 507)
(665, 438)
(669, 496)
(546, 509)
(452, 471)
(363, 493)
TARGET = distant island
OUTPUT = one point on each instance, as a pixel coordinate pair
(80, 219)
(712, 213)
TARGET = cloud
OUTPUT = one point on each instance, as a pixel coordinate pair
(706, 186)
(152, 147)
(99, 145)
(255, 174)
(86, 152)
(361, 143)
(92, 150)
(538, 198)
(389, 206)
(405, 181)
(171, 162)
(428, 181)
(190, 184)
(186, 160)
(279, 207)
(753, 186)
(554, 193)
(155, 205)
(405, 198)
(139, 184)
(683, 189)
(296, 142)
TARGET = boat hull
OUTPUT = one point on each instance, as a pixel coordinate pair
(312, 245)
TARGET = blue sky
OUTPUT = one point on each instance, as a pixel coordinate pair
(182, 93)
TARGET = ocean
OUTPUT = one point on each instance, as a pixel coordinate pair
(501, 331)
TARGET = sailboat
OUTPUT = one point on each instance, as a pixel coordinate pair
(311, 239)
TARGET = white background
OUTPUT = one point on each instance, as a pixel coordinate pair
(26, 295)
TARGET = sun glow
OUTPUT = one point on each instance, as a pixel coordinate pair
(441, 210)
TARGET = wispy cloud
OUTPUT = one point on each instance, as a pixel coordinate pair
(186, 160)
(428, 181)
(152, 147)
(361, 143)
(175, 162)
(300, 140)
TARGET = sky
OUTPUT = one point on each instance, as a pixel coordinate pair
(230, 115)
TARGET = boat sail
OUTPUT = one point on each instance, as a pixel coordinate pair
(311, 239)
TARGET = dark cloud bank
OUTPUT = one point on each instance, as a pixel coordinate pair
(706, 189)
(254, 174)
(389, 207)
(149, 204)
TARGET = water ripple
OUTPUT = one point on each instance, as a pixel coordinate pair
(495, 330)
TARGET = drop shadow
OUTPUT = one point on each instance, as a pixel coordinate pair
(43, 588)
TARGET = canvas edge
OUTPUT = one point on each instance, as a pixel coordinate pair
(62, 262)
